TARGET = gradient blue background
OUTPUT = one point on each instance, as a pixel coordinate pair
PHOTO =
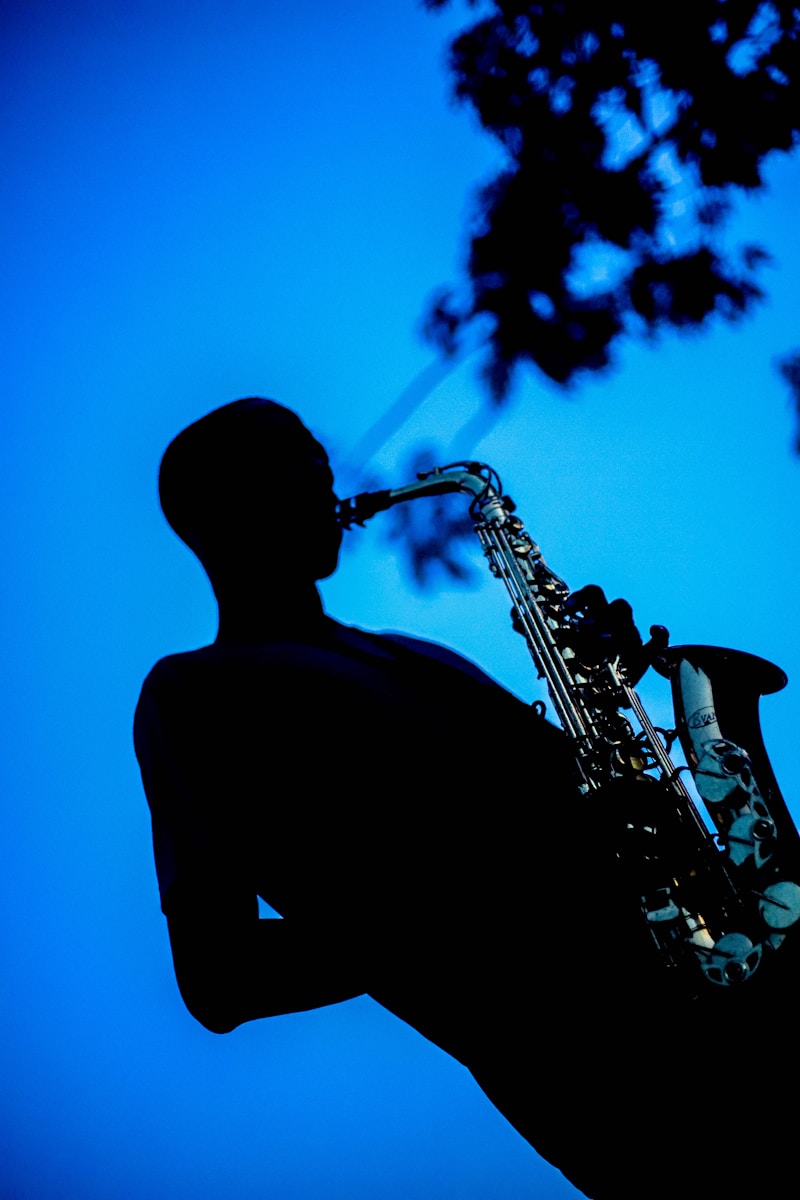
(213, 200)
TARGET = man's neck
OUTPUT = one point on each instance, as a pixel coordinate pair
(261, 615)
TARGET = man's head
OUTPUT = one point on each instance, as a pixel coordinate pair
(249, 483)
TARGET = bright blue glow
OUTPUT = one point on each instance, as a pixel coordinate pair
(207, 201)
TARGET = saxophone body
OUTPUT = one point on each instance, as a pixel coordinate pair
(717, 895)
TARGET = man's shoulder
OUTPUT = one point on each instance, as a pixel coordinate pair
(339, 657)
(174, 670)
(192, 677)
(188, 666)
(179, 682)
(440, 653)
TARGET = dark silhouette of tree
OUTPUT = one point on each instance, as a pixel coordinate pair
(432, 535)
(789, 369)
(625, 131)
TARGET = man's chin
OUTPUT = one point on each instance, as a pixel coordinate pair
(327, 560)
(326, 571)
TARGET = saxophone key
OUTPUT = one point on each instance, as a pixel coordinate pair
(732, 960)
(779, 904)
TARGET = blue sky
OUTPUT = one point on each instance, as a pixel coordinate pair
(207, 201)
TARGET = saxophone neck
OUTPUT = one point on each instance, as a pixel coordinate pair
(474, 479)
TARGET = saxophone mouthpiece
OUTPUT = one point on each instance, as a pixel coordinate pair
(356, 510)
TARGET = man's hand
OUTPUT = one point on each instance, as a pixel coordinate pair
(606, 631)
(603, 632)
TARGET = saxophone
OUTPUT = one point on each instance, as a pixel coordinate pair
(717, 898)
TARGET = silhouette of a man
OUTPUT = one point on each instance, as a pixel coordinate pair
(419, 830)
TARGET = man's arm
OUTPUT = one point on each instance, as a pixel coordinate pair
(232, 967)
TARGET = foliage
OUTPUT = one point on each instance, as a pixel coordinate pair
(624, 131)
(432, 535)
(789, 368)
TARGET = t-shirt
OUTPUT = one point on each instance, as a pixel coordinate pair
(345, 731)
(381, 779)
(394, 785)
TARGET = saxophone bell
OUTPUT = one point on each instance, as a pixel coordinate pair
(715, 695)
